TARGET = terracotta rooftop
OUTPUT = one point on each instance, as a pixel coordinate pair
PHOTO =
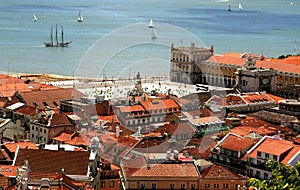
(271, 145)
(217, 172)
(8, 170)
(73, 162)
(129, 109)
(12, 146)
(50, 97)
(200, 120)
(137, 167)
(28, 110)
(236, 143)
(246, 130)
(160, 104)
(289, 65)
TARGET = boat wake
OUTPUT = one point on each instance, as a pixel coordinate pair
(221, 1)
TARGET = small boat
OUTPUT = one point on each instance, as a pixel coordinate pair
(240, 7)
(151, 24)
(229, 8)
(56, 43)
(79, 18)
(292, 3)
(34, 18)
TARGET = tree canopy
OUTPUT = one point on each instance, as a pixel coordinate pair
(284, 177)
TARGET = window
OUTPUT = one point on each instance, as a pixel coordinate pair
(153, 185)
(112, 174)
(207, 185)
(266, 176)
(267, 155)
(216, 186)
(103, 184)
(182, 186)
(32, 136)
(172, 185)
(111, 183)
(143, 185)
(258, 174)
(193, 186)
(225, 186)
(45, 131)
(41, 130)
(258, 154)
(32, 127)
(251, 172)
(275, 157)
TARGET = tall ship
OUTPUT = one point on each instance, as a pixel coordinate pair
(80, 17)
(55, 42)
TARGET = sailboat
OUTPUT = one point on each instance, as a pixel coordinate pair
(79, 18)
(229, 8)
(56, 43)
(34, 18)
(240, 7)
(151, 24)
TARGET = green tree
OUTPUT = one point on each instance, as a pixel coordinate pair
(284, 178)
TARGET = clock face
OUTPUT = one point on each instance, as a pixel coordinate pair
(265, 81)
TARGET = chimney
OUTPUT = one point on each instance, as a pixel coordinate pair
(117, 131)
(176, 153)
(168, 154)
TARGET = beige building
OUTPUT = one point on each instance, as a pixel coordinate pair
(139, 173)
(199, 65)
(186, 63)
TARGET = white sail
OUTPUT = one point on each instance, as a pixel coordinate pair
(151, 24)
(240, 7)
(34, 18)
(79, 18)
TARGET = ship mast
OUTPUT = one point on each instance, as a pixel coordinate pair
(62, 35)
(51, 36)
(56, 36)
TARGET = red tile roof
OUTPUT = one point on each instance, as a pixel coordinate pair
(28, 110)
(137, 167)
(160, 104)
(272, 146)
(59, 119)
(217, 172)
(49, 96)
(7, 170)
(290, 65)
(12, 146)
(291, 154)
(73, 162)
(129, 109)
(236, 143)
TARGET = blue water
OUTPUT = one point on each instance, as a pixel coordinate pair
(270, 27)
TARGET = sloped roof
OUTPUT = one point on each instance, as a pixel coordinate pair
(137, 167)
(271, 145)
(73, 162)
(12, 146)
(236, 143)
(49, 96)
(217, 172)
(28, 110)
